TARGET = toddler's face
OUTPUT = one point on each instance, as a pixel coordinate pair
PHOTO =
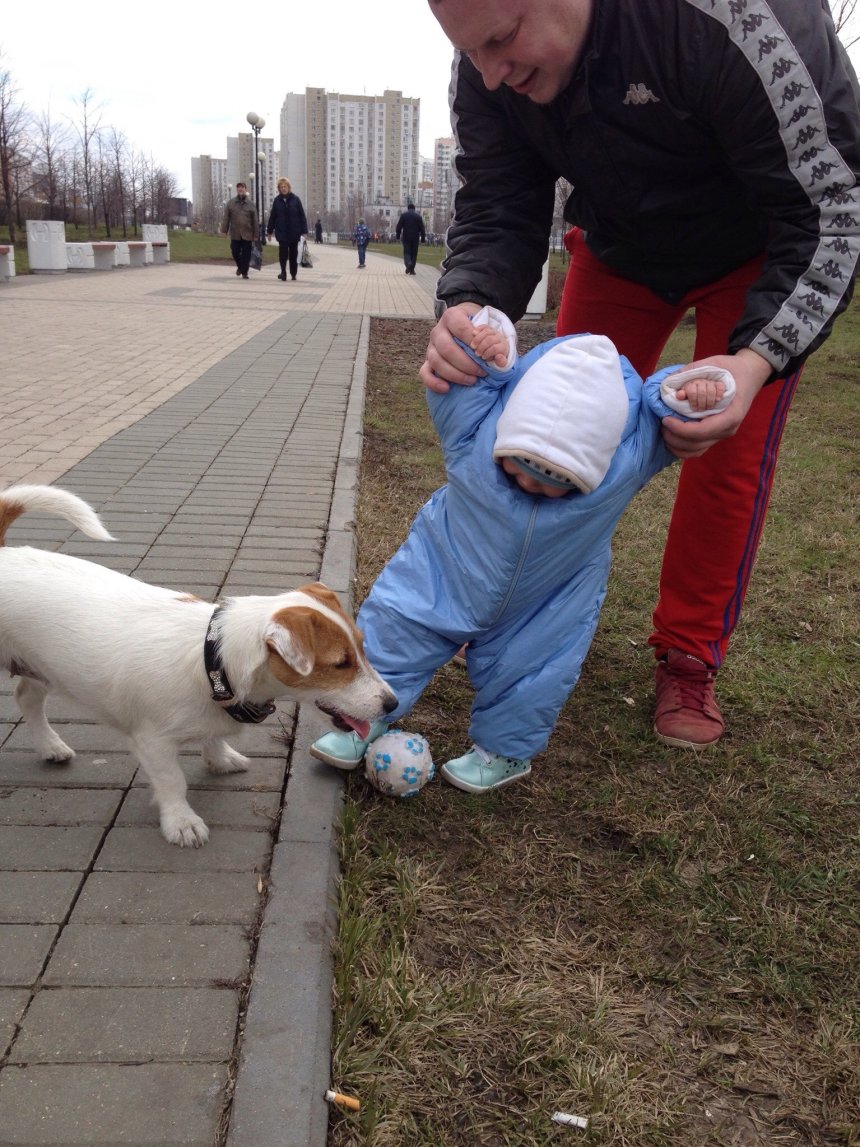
(531, 485)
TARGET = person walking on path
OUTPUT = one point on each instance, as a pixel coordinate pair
(288, 224)
(240, 224)
(721, 175)
(318, 231)
(542, 456)
(410, 230)
(361, 237)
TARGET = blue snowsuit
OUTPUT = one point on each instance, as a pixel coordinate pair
(521, 578)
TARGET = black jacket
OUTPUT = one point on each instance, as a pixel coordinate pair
(287, 218)
(695, 134)
(410, 226)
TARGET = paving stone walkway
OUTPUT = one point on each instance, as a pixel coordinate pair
(148, 994)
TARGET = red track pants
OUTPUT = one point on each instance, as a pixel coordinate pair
(722, 496)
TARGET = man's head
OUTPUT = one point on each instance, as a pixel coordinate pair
(410, 206)
(533, 46)
(241, 190)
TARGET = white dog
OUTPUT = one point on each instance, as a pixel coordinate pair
(166, 668)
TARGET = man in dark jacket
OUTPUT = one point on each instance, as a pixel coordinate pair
(287, 221)
(240, 223)
(713, 151)
(410, 229)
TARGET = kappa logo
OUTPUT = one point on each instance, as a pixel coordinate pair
(640, 94)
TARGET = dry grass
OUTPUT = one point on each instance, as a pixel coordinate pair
(664, 942)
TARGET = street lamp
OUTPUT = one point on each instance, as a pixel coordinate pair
(257, 124)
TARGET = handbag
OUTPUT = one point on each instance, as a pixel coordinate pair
(306, 255)
(256, 256)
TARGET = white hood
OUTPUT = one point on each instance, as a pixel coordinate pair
(568, 411)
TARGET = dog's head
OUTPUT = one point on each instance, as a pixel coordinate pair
(317, 653)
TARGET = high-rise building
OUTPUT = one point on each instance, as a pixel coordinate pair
(444, 183)
(424, 187)
(345, 153)
(209, 190)
(242, 166)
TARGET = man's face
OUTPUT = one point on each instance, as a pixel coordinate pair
(530, 45)
(241, 190)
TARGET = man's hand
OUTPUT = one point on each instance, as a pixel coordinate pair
(446, 362)
(691, 439)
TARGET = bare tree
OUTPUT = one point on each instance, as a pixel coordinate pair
(49, 148)
(117, 146)
(843, 14)
(87, 128)
(103, 174)
(135, 172)
(13, 138)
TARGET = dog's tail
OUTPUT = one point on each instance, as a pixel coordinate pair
(49, 500)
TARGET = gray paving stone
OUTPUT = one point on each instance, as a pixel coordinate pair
(12, 1004)
(37, 897)
(23, 948)
(81, 1105)
(146, 850)
(9, 710)
(168, 897)
(83, 738)
(141, 955)
(40, 848)
(218, 808)
(87, 770)
(128, 1025)
(22, 805)
(265, 774)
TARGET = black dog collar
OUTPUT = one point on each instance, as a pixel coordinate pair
(222, 691)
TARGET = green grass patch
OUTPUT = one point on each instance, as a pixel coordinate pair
(664, 942)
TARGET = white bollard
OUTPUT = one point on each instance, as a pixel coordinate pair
(46, 246)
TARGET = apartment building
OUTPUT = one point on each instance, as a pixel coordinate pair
(209, 190)
(347, 152)
(444, 183)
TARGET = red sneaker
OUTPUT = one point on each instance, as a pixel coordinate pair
(687, 714)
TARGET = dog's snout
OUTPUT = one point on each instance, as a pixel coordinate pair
(389, 704)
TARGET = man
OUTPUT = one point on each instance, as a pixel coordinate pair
(240, 223)
(713, 149)
(410, 228)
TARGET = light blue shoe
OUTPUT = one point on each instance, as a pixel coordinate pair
(479, 771)
(346, 750)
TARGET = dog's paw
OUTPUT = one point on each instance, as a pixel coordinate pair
(227, 760)
(184, 828)
(55, 750)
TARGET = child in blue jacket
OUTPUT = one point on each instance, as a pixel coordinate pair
(511, 557)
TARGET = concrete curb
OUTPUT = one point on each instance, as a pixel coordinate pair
(286, 1052)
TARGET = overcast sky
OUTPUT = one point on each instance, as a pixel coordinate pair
(178, 84)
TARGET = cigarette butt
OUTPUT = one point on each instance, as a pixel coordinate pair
(344, 1100)
(570, 1120)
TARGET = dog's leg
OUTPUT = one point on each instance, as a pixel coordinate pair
(159, 757)
(30, 695)
(219, 757)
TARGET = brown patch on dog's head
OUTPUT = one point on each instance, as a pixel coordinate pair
(323, 595)
(188, 597)
(9, 512)
(307, 648)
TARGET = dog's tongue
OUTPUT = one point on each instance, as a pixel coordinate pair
(362, 728)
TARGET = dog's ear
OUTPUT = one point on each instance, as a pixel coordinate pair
(290, 635)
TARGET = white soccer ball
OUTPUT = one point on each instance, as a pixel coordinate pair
(399, 764)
